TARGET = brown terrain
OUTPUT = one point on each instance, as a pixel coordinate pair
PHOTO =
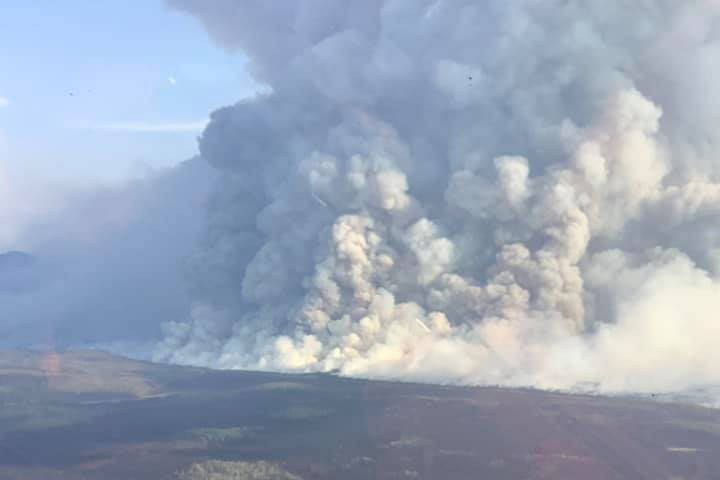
(91, 415)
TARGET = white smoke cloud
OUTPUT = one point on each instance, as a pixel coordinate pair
(522, 193)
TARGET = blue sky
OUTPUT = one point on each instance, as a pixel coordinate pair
(97, 90)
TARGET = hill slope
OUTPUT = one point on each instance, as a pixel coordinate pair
(88, 415)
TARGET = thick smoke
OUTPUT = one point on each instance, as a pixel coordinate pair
(522, 193)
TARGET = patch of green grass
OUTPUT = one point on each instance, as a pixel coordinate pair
(222, 435)
(6, 389)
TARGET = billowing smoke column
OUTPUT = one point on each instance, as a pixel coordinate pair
(520, 193)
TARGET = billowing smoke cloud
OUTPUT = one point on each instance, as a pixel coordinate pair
(523, 193)
(101, 265)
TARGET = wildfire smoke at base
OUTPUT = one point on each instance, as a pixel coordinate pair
(518, 193)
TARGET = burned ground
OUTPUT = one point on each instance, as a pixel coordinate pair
(89, 415)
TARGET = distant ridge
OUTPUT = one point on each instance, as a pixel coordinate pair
(15, 260)
(18, 272)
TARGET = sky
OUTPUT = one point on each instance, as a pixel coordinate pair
(99, 91)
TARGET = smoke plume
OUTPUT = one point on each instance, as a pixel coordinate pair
(517, 193)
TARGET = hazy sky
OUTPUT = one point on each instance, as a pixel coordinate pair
(516, 193)
(96, 90)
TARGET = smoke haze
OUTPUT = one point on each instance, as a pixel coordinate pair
(515, 193)
(102, 264)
